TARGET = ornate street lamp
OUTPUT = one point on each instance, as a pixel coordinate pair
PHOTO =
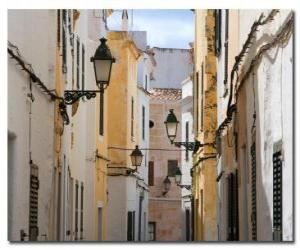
(102, 61)
(178, 177)
(171, 126)
(136, 157)
(167, 185)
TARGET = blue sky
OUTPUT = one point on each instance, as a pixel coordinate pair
(165, 28)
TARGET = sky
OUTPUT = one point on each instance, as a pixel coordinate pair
(165, 28)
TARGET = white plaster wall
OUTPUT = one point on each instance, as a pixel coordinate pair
(186, 165)
(273, 87)
(39, 51)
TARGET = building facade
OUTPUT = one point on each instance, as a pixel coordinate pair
(204, 172)
(187, 156)
(59, 202)
(164, 159)
(255, 146)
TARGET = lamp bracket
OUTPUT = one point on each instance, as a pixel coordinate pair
(192, 146)
(188, 187)
(72, 96)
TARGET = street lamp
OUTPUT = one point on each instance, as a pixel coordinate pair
(167, 185)
(136, 157)
(171, 126)
(178, 177)
(102, 61)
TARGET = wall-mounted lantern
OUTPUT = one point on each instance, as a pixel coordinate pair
(102, 61)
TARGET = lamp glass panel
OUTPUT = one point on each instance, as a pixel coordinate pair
(102, 70)
(172, 129)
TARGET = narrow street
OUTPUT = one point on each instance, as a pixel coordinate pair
(150, 125)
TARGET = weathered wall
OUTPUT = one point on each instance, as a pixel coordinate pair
(32, 48)
(163, 208)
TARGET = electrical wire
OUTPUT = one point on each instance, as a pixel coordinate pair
(148, 149)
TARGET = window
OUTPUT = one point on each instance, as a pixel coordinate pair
(202, 97)
(64, 41)
(101, 115)
(253, 191)
(151, 173)
(197, 102)
(76, 210)
(186, 139)
(143, 122)
(82, 66)
(226, 47)
(152, 231)
(81, 211)
(33, 207)
(132, 117)
(277, 192)
(130, 225)
(146, 82)
(172, 167)
(78, 63)
(218, 29)
(232, 217)
(58, 28)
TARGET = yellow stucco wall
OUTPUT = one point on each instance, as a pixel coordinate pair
(122, 88)
(204, 173)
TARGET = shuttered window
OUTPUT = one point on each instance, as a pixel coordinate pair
(202, 97)
(143, 121)
(83, 67)
(218, 31)
(187, 139)
(277, 196)
(151, 173)
(130, 225)
(233, 218)
(132, 117)
(76, 210)
(33, 203)
(197, 102)
(64, 41)
(172, 167)
(81, 211)
(253, 191)
(152, 231)
(58, 28)
(77, 63)
(226, 47)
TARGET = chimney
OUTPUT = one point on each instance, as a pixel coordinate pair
(124, 20)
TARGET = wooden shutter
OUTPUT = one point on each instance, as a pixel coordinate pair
(151, 173)
(83, 67)
(130, 225)
(253, 191)
(64, 41)
(76, 210)
(186, 139)
(77, 63)
(232, 209)
(81, 211)
(143, 121)
(218, 30)
(277, 196)
(226, 47)
(33, 203)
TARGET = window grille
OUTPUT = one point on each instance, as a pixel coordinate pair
(83, 67)
(152, 231)
(76, 210)
(130, 225)
(218, 30)
(81, 211)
